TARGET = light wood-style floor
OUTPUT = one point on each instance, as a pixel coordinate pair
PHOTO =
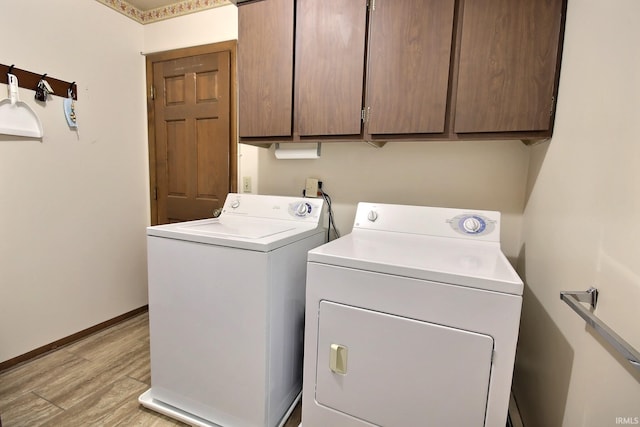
(93, 382)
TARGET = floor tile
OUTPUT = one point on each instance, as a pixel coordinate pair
(27, 377)
(28, 410)
(96, 408)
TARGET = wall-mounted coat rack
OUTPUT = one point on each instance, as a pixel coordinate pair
(29, 80)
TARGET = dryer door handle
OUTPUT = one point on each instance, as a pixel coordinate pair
(338, 359)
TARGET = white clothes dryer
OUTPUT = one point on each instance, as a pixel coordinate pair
(411, 320)
(226, 311)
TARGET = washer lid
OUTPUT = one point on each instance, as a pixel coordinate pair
(475, 264)
(245, 229)
(243, 233)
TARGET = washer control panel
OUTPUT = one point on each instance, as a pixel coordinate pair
(273, 207)
(472, 224)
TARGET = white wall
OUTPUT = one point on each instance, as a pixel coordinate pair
(74, 206)
(581, 228)
(208, 26)
(488, 175)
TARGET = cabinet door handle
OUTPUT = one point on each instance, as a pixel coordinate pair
(338, 359)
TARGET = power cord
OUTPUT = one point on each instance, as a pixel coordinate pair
(332, 223)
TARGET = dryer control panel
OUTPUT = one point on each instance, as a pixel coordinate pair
(430, 221)
(472, 224)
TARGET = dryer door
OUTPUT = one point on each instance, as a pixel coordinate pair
(395, 371)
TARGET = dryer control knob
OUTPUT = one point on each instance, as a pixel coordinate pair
(471, 225)
(372, 216)
(235, 204)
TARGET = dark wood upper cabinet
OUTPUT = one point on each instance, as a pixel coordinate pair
(412, 69)
(507, 67)
(329, 66)
(408, 66)
(265, 68)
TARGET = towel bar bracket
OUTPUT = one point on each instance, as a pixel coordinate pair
(590, 296)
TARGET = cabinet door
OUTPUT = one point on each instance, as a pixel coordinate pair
(330, 40)
(265, 68)
(508, 61)
(408, 71)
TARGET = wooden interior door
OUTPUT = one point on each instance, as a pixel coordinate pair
(192, 132)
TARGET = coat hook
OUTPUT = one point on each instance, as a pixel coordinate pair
(43, 89)
(10, 72)
(70, 92)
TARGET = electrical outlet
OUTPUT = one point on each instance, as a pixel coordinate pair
(246, 184)
(311, 188)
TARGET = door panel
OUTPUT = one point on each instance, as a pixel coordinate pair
(209, 149)
(265, 67)
(330, 44)
(501, 39)
(408, 72)
(192, 128)
(207, 87)
(176, 159)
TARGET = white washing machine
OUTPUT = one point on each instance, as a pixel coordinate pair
(226, 311)
(411, 320)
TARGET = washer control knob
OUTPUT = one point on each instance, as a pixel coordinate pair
(303, 209)
(235, 204)
(471, 225)
(372, 216)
